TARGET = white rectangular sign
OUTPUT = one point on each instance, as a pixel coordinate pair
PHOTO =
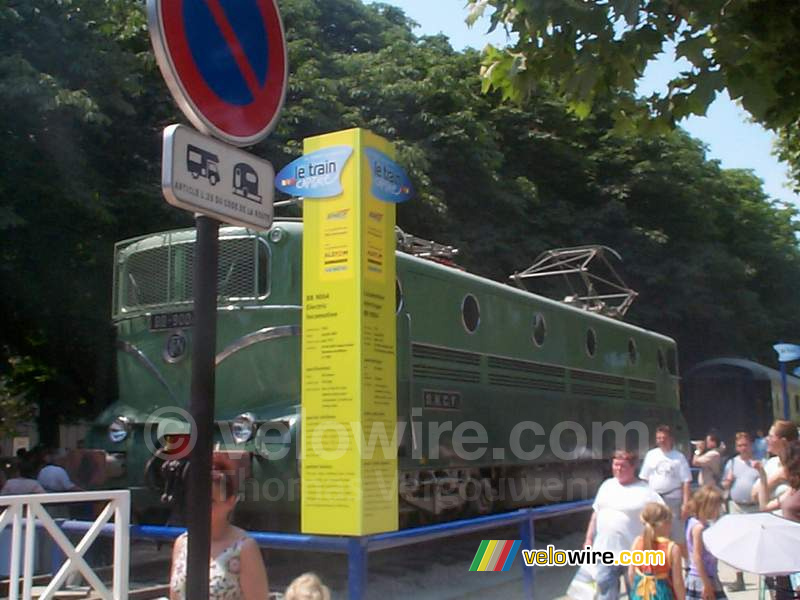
(204, 175)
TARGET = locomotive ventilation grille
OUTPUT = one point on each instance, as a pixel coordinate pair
(435, 370)
(158, 271)
(437, 353)
(644, 391)
(526, 374)
(434, 362)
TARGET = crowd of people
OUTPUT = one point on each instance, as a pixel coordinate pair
(653, 509)
(36, 472)
(657, 511)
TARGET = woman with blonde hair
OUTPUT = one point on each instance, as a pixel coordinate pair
(788, 504)
(781, 434)
(307, 587)
(657, 582)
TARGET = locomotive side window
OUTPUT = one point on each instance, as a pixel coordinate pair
(661, 361)
(591, 342)
(539, 329)
(633, 352)
(398, 296)
(672, 361)
(470, 313)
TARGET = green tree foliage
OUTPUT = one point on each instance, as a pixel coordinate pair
(596, 51)
(714, 260)
(14, 405)
(78, 167)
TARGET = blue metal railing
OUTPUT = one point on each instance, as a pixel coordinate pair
(357, 549)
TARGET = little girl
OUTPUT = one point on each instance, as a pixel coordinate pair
(702, 581)
(307, 587)
(657, 582)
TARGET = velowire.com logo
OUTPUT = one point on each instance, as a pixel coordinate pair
(495, 555)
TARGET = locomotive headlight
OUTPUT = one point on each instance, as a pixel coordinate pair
(243, 427)
(119, 429)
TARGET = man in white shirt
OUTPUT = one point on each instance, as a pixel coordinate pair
(667, 473)
(615, 521)
(740, 477)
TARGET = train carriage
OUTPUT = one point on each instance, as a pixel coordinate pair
(469, 350)
(735, 394)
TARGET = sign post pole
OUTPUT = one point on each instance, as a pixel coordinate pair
(785, 392)
(786, 353)
(230, 82)
(201, 407)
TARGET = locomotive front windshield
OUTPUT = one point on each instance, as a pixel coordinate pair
(157, 272)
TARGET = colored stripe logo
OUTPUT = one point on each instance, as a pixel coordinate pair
(495, 555)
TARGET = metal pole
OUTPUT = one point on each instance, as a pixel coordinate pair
(785, 392)
(201, 408)
(526, 533)
(357, 556)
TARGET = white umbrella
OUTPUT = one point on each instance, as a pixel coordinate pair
(760, 543)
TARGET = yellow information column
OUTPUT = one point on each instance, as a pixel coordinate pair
(349, 380)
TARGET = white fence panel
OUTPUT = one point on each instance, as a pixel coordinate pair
(33, 506)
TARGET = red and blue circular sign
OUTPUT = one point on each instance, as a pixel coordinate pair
(224, 61)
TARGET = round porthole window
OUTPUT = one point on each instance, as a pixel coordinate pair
(633, 352)
(539, 329)
(470, 313)
(591, 342)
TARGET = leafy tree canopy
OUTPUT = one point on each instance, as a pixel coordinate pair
(715, 261)
(597, 50)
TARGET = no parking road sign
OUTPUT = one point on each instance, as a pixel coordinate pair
(225, 63)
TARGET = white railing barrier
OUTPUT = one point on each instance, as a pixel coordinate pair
(118, 505)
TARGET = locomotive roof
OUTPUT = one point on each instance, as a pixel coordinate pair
(504, 288)
(154, 240)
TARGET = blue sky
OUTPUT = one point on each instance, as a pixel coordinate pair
(725, 130)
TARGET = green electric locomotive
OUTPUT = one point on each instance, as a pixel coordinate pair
(549, 386)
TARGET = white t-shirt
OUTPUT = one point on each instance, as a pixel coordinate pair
(665, 472)
(744, 478)
(55, 479)
(618, 508)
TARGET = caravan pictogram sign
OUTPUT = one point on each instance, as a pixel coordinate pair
(224, 61)
(204, 175)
